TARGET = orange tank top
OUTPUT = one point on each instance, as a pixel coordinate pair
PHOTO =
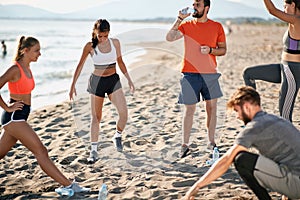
(22, 86)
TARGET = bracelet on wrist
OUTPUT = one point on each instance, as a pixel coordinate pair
(210, 50)
(180, 18)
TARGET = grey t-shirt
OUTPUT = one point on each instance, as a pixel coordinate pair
(274, 138)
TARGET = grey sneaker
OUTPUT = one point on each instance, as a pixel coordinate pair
(93, 157)
(211, 146)
(184, 151)
(118, 143)
(77, 188)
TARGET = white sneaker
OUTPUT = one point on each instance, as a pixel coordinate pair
(93, 157)
(77, 188)
(64, 191)
(71, 189)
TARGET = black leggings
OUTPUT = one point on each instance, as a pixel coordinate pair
(272, 73)
(245, 163)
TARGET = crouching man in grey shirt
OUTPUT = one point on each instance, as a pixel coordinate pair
(276, 167)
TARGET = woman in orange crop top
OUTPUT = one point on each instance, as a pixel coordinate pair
(16, 111)
(106, 54)
(288, 71)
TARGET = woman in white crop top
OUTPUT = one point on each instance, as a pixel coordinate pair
(106, 54)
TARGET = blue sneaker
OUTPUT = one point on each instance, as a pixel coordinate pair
(64, 191)
(71, 189)
(77, 188)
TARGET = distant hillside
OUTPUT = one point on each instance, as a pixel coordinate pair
(23, 11)
(230, 9)
(133, 10)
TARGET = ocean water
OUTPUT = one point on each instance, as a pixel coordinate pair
(62, 42)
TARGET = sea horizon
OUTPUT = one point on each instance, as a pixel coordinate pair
(62, 42)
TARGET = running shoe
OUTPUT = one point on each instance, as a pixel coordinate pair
(71, 189)
(184, 151)
(118, 143)
(64, 191)
(93, 157)
(77, 188)
(211, 146)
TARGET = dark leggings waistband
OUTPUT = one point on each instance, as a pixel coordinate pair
(291, 51)
(108, 66)
(105, 77)
(290, 63)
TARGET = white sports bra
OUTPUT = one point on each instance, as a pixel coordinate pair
(105, 60)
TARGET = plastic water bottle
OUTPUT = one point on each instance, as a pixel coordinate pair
(209, 162)
(64, 191)
(216, 154)
(187, 10)
(103, 192)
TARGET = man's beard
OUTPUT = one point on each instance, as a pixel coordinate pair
(245, 118)
(198, 15)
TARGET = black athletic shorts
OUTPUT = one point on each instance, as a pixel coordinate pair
(16, 116)
(99, 85)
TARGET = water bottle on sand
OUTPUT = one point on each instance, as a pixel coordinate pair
(103, 192)
(215, 156)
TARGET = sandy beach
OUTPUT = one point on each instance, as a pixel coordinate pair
(149, 167)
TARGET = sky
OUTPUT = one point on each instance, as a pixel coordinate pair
(259, 3)
(58, 6)
(66, 6)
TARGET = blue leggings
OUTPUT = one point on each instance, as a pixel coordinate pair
(287, 73)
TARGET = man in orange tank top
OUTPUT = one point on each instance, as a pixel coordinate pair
(204, 39)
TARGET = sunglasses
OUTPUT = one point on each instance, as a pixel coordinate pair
(196, 4)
